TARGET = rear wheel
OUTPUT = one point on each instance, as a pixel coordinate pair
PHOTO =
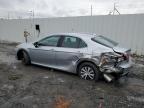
(88, 71)
(25, 58)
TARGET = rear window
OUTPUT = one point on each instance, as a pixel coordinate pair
(82, 44)
(70, 42)
(104, 41)
(73, 42)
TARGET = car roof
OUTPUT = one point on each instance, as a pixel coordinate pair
(80, 35)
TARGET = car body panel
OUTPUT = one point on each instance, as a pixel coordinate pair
(43, 55)
(66, 59)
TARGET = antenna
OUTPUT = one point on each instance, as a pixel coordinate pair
(115, 9)
(112, 12)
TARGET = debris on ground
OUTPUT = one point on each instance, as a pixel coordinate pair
(15, 76)
(61, 102)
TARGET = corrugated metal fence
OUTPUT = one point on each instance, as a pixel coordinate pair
(128, 30)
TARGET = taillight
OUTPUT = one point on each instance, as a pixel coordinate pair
(126, 56)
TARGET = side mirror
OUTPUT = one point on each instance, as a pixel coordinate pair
(36, 44)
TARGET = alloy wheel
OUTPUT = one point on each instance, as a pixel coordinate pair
(87, 72)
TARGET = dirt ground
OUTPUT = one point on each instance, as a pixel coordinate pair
(38, 87)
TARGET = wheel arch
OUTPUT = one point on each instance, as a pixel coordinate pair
(83, 61)
(20, 54)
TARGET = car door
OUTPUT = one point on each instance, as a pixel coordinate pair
(44, 54)
(68, 53)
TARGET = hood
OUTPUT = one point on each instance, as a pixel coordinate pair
(25, 45)
(120, 49)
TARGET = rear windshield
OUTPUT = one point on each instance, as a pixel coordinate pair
(104, 41)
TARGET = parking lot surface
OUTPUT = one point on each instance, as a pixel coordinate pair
(38, 87)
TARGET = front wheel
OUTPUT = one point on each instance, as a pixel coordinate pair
(25, 58)
(88, 71)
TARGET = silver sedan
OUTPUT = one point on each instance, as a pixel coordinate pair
(89, 55)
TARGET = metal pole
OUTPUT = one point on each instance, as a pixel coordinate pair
(91, 10)
(114, 9)
(33, 23)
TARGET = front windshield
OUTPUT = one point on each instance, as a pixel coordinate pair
(105, 41)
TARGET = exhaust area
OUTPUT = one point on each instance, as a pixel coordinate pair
(108, 77)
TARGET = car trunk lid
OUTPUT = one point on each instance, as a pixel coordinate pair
(119, 49)
(125, 52)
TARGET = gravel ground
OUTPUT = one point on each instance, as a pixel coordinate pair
(38, 87)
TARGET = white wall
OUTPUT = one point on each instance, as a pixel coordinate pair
(125, 29)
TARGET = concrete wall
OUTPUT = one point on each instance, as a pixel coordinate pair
(128, 30)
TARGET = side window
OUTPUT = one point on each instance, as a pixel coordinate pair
(50, 41)
(70, 42)
(82, 44)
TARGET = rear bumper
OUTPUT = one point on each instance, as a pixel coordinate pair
(115, 75)
(122, 69)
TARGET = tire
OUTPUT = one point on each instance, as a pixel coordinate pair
(88, 71)
(25, 58)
